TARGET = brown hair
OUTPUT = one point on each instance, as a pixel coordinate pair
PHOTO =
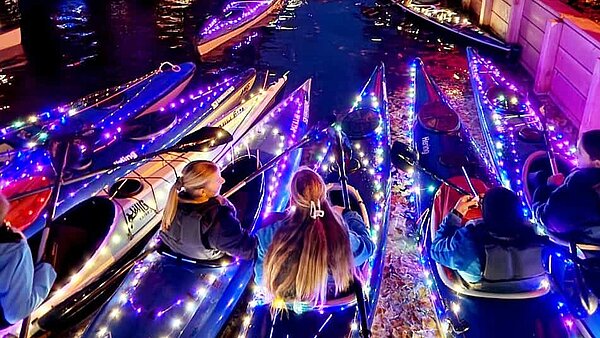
(193, 176)
(305, 250)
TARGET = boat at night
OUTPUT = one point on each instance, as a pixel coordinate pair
(459, 25)
(199, 296)
(367, 129)
(92, 154)
(443, 152)
(518, 138)
(236, 18)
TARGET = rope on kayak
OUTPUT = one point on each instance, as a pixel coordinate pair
(174, 68)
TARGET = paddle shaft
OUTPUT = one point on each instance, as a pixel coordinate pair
(473, 191)
(549, 149)
(51, 210)
(306, 140)
(358, 291)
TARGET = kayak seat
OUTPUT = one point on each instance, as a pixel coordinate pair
(504, 263)
(437, 116)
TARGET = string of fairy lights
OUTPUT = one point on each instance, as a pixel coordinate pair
(216, 280)
(114, 243)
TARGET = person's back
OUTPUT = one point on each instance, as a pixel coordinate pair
(503, 232)
(310, 246)
(22, 286)
(198, 223)
(572, 205)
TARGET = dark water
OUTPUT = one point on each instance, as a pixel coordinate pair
(75, 47)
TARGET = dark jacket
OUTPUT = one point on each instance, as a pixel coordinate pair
(22, 287)
(573, 206)
(207, 231)
(462, 248)
(360, 243)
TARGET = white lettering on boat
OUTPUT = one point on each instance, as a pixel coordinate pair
(131, 156)
(425, 143)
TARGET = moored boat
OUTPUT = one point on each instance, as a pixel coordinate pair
(444, 149)
(237, 17)
(166, 294)
(97, 157)
(118, 221)
(97, 110)
(518, 142)
(367, 129)
(441, 16)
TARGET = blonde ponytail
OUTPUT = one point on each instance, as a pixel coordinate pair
(194, 176)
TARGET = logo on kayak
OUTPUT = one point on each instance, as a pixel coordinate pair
(231, 116)
(220, 99)
(138, 210)
(425, 143)
(131, 156)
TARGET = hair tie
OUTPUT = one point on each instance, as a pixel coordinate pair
(315, 210)
(179, 184)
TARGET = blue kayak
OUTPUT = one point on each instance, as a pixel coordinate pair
(98, 156)
(525, 307)
(166, 294)
(366, 126)
(514, 134)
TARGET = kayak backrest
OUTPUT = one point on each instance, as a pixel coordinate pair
(505, 263)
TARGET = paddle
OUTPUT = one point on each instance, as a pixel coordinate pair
(549, 149)
(360, 297)
(310, 136)
(403, 158)
(202, 140)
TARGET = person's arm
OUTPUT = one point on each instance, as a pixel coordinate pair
(228, 235)
(453, 246)
(543, 195)
(28, 286)
(360, 242)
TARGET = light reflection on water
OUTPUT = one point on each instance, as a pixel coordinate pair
(97, 44)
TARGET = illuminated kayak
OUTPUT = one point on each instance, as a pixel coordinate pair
(125, 216)
(438, 14)
(514, 135)
(501, 304)
(237, 17)
(165, 294)
(98, 110)
(93, 157)
(367, 129)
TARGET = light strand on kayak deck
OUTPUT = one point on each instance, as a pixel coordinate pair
(216, 25)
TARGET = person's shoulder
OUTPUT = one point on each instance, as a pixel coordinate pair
(222, 202)
(11, 248)
(269, 226)
(583, 176)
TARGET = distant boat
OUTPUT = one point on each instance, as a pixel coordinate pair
(441, 16)
(237, 17)
(10, 31)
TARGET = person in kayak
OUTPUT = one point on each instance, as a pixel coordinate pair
(466, 248)
(311, 253)
(200, 224)
(23, 286)
(571, 205)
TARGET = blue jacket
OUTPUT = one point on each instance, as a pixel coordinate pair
(573, 206)
(455, 246)
(361, 244)
(22, 287)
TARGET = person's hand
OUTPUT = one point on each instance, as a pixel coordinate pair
(556, 180)
(465, 203)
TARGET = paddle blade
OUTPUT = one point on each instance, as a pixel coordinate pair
(204, 139)
(402, 156)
